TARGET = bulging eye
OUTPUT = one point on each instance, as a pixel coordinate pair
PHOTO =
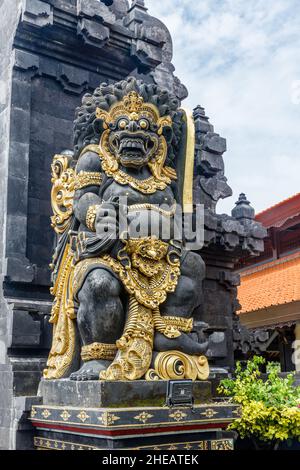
(143, 124)
(122, 124)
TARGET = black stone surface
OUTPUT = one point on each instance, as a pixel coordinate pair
(111, 394)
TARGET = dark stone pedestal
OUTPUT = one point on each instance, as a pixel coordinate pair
(95, 394)
(128, 415)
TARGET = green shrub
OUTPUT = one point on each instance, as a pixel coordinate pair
(270, 409)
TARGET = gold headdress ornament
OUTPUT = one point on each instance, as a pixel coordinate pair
(133, 106)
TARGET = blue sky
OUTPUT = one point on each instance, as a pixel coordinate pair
(241, 60)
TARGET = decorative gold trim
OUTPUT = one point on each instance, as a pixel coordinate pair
(171, 327)
(91, 217)
(187, 196)
(62, 193)
(152, 207)
(62, 317)
(108, 419)
(98, 351)
(87, 178)
(172, 365)
(134, 107)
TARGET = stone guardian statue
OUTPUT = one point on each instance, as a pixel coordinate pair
(125, 297)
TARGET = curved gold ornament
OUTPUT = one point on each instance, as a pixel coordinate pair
(87, 178)
(63, 319)
(176, 365)
(62, 193)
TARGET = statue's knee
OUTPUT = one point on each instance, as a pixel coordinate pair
(100, 283)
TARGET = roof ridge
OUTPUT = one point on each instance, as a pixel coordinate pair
(284, 201)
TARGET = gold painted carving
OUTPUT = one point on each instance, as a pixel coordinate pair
(148, 278)
(134, 347)
(134, 107)
(159, 179)
(173, 365)
(152, 207)
(171, 327)
(98, 351)
(91, 217)
(63, 319)
(87, 178)
(62, 193)
(63, 312)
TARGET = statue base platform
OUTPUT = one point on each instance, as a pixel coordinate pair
(98, 415)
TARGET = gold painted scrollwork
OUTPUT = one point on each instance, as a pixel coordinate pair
(172, 365)
(62, 193)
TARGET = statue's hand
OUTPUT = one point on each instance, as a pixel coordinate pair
(106, 223)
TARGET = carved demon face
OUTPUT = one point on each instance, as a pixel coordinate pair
(134, 132)
(133, 141)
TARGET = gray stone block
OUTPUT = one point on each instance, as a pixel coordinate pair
(37, 13)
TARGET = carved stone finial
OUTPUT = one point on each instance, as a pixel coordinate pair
(243, 209)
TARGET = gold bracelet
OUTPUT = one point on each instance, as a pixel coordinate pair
(90, 218)
(87, 178)
(96, 351)
(171, 327)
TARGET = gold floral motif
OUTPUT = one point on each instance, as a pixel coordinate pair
(91, 217)
(108, 419)
(33, 412)
(62, 193)
(87, 178)
(143, 417)
(178, 415)
(46, 413)
(83, 416)
(172, 365)
(98, 351)
(65, 415)
(209, 413)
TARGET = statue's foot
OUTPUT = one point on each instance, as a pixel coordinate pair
(90, 370)
(184, 343)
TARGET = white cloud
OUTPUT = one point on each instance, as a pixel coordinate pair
(240, 60)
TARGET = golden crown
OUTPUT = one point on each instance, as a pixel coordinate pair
(133, 106)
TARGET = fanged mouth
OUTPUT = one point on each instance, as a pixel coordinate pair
(135, 145)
